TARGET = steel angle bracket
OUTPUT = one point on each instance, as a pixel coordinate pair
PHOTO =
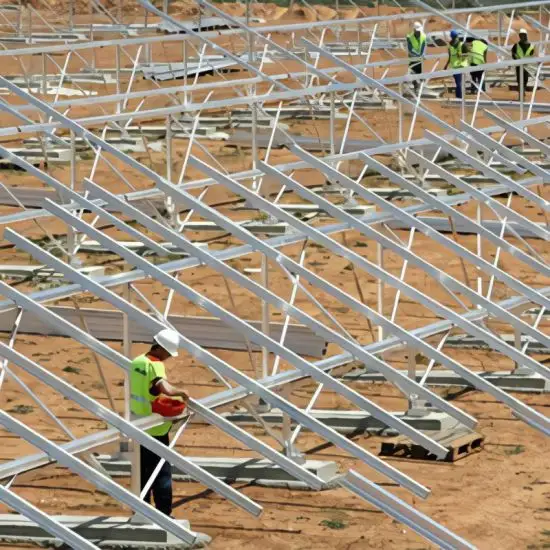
(403, 512)
(225, 369)
(437, 274)
(259, 290)
(254, 334)
(76, 465)
(68, 536)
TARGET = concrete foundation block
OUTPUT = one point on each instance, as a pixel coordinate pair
(261, 472)
(106, 532)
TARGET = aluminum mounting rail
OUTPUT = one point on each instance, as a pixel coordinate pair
(403, 512)
(116, 358)
(223, 368)
(374, 270)
(79, 467)
(440, 276)
(69, 537)
(265, 294)
(536, 418)
(252, 333)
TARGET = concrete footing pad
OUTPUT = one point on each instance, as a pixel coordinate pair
(347, 422)
(105, 532)
(246, 470)
(518, 382)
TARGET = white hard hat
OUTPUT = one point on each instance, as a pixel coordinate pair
(522, 31)
(417, 26)
(169, 340)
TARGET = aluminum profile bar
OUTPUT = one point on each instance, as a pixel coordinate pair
(94, 477)
(403, 512)
(69, 537)
(252, 333)
(459, 320)
(226, 370)
(274, 300)
(121, 361)
(128, 429)
(437, 274)
(358, 260)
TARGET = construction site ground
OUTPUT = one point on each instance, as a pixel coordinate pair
(499, 498)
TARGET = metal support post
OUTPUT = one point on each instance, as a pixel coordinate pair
(380, 288)
(332, 124)
(44, 74)
(127, 352)
(265, 324)
(169, 201)
(71, 233)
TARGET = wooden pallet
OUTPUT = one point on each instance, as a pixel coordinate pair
(460, 443)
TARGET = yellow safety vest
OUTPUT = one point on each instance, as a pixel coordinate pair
(477, 54)
(520, 53)
(457, 57)
(143, 372)
(417, 43)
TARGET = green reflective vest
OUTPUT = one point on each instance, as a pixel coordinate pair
(477, 53)
(142, 374)
(417, 43)
(458, 58)
(520, 53)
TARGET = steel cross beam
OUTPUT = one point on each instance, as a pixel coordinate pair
(223, 368)
(265, 294)
(253, 334)
(406, 254)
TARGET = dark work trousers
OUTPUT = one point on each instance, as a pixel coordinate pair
(477, 80)
(415, 68)
(458, 84)
(525, 79)
(161, 489)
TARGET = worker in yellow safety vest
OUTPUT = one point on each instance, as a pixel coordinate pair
(148, 382)
(478, 49)
(520, 50)
(416, 46)
(458, 59)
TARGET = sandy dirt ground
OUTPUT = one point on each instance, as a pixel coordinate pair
(499, 498)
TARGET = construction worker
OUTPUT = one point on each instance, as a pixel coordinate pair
(416, 46)
(520, 50)
(458, 59)
(477, 51)
(147, 382)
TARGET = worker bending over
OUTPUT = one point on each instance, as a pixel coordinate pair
(148, 382)
(458, 59)
(416, 46)
(520, 50)
(477, 51)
